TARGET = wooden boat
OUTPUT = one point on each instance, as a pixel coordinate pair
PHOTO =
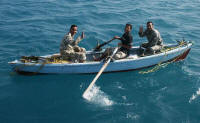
(45, 64)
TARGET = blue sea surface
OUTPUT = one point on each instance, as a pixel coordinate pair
(169, 95)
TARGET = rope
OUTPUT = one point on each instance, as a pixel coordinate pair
(37, 60)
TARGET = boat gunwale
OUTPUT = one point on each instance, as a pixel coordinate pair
(17, 62)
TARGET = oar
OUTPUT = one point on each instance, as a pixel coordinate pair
(100, 72)
(101, 45)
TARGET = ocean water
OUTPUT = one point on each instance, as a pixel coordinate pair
(169, 95)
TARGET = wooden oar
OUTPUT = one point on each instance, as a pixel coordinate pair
(100, 72)
(97, 48)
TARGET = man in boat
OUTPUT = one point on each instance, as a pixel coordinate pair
(69, 48)
(125, 45)
(154, 39)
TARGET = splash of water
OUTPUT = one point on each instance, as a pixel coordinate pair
(194, 96)
(95, 95)
(132, 116)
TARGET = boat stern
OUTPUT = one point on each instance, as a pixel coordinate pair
(188, 45)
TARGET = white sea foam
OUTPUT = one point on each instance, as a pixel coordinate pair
(95, 95)
(132, 116)
(194, 96)
(124, 97)
(125, 104)
(119, 85)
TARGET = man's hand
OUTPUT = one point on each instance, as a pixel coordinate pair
(141, 29)
(116, 37)
(82, 35)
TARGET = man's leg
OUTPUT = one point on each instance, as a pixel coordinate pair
(79, 49)
(107, 52)
(143, 48)
(81, 57)
(155, 48)
(120, 55)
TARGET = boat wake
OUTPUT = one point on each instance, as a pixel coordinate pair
(95, 95)
(194, 96)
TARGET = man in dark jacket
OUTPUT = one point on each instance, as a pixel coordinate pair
(153, 36)
(125, 45)
(126, 42)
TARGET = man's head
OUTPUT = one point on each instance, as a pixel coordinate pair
(149, 25)
(128, 28)
(73, 29)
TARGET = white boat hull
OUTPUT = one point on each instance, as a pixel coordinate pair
(133, 62)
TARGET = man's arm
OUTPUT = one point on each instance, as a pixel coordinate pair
(79, 38)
